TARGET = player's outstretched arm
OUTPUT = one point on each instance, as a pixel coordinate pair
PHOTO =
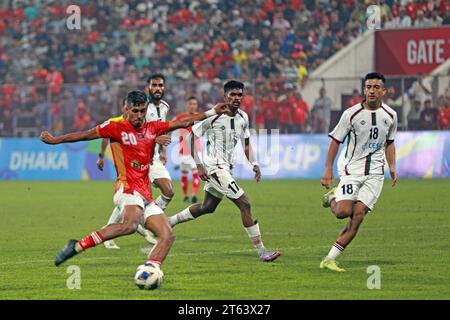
(390, 157)
(90, 134)
(101, 155)
(188, 121)
(327, 178)
(248, 150)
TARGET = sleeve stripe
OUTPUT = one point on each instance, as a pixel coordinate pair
(217, 117)
(335, 139)
(390, 114)
(356, 112)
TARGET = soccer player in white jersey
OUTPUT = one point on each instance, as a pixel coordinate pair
(369, 130)
(157, 111)
(222, 135)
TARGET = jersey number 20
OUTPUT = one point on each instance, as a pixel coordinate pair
(128, 138)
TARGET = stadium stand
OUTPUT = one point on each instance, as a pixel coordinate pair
(64, 80)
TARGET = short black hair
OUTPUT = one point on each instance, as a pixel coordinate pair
(375, 75)
(135, 98)
(191, 98)
(233, 84)
(156, 76)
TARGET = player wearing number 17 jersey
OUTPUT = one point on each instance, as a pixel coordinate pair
(368, 130)
(223, 133)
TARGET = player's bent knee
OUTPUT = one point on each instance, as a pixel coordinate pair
(169, 193)
(343, 209)
(343, 213)
(167, 238)
(128, 227)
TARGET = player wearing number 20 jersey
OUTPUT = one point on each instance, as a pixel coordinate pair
(132, 156)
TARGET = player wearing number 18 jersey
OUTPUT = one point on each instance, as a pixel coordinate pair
(368, 130)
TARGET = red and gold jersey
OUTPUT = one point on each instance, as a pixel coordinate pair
(132, 149)
(184, 132)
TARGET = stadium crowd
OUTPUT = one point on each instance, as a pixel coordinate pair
(66, 80)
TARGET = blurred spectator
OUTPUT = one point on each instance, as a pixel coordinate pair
(302, 71)
(322, 112)
(414, 116)
(355, 98)
(6, 123)
(403, 20)
(42, 111)
(131, 76)
(421, 89)
(421, 21)
(202, 42)
(269, 105)
(428, 117)
(81, 88)
(299, 114)
(444, 115)
(82, 119)
(54, 80)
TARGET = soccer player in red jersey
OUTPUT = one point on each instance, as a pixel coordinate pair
(187, 163)
(132, 144)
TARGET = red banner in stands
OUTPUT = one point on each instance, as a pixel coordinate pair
(411, 51)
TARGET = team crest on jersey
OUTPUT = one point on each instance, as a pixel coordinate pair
(140, 136)
(104, 124)
(385, 122)
(363, 122)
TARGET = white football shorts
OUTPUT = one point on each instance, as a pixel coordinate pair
(366, 189)
(221, 183)
(122, 199)
(187, 163)
(158, 171)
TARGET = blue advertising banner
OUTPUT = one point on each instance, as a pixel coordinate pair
(419, 155)
(30, 159)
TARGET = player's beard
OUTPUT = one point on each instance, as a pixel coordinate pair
(234, 107)
(156, 99)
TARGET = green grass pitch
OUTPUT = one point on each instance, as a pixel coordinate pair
(407, 237)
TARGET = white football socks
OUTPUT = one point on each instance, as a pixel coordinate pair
(255, 236)
(183, 216)
(335, 251)
(162, 201)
